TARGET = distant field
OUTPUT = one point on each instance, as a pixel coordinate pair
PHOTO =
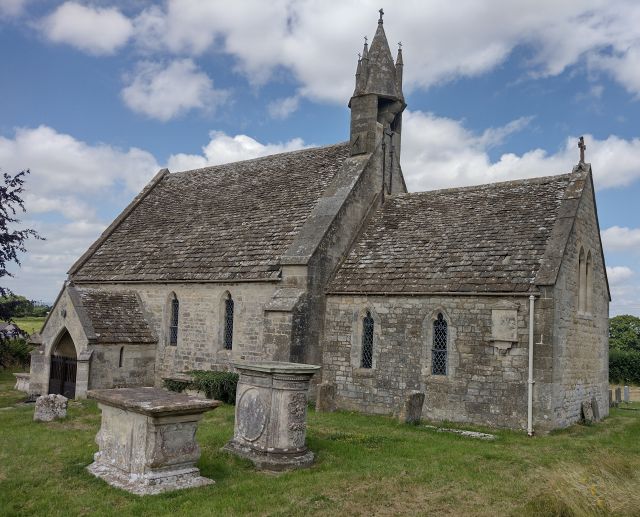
(28, 324)
(365, 466)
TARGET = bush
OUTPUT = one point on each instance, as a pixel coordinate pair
(216, 385)
(15, 353)
(624, 366)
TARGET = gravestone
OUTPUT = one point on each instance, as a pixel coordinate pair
(50, 407)
(411, 411)
(147, 439)
(595, 408)
(611, 402)
(587, 412)
(618, 396)
(271, 415)
(22, 382)
(626, 394)
(326, 398)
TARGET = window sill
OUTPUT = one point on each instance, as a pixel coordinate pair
(363, 372)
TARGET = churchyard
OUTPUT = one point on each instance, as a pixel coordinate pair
(364, 466)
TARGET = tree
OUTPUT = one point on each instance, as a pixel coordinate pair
(624, 333)
(12, 241)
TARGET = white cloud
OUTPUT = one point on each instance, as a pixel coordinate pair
(443, 40)
(164, 92)
(440, 152)
(12, 8)
(618, 275)
(96, 31)
(619, 238)
(223, 148)
(282, 108)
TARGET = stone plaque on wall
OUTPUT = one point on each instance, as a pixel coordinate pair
(504, 328)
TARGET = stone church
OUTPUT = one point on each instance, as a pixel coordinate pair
(491, 300)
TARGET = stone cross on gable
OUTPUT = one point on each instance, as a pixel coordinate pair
(582, 147)
(381, 15)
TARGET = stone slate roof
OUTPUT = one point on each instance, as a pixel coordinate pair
(488, 238)
(228, 222)
(115, 317)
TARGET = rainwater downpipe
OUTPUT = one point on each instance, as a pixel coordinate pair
(530, 381)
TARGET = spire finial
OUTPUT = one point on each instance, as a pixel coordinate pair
(582, 147)
(400, 46)
(381, 11)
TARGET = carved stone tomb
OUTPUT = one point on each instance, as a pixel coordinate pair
(271, 415)
(147, 439)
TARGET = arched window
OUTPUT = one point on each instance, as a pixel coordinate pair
(228, 322)
(588, 281)
(582, 281)
(173, 322)
(439, 348)
(121, 358)
(367, 341)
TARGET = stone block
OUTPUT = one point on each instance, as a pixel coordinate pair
(326, 398)
(587, 412)
(147, 439)
(595, 408)
(50, 407)
(411, 411)
(271, 415)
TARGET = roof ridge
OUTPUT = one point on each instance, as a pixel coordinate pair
(258, 158)
(536, 180)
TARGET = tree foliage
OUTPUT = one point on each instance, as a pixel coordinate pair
(624, 333)
(12, 240)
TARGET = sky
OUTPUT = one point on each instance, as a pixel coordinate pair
(97, 96)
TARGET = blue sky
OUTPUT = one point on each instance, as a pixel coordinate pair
(96, 96)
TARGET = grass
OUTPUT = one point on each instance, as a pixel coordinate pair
(365, 466)
(29, 324)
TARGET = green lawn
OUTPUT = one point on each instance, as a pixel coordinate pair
(365, 466)
(29, 324)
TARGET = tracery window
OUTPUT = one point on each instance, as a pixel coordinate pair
(228, 322)
(439, 347)
(367, 341)
(173, 322)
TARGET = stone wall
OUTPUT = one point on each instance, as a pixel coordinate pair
(137, 369)
(486, 381)
(581, 354)
(201, 323)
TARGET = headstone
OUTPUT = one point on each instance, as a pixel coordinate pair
(271, 415)
(626, 394)
(326, 398)
(618, 395)
(611, 402)
(22, 382)
(587, 412)
(411, 412)
(595, 408)
(147, 439)
(50, 407)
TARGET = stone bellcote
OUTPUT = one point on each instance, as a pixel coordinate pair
(377, 98)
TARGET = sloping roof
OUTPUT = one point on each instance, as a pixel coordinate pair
(487, 238)
(228, 222)
(114, 317)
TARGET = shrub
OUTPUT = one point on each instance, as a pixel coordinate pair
(624, 366)
(216, 385)
(15, 353)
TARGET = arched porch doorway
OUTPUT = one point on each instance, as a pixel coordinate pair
(64, 365)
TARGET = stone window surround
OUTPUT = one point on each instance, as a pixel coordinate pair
(168, 318)
(585, 282)
(219, 346)
(356, 342)
(427, 340)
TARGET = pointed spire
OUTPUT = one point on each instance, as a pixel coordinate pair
(399, 67)
(399, 61)
(365, 50)
(381, 78)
